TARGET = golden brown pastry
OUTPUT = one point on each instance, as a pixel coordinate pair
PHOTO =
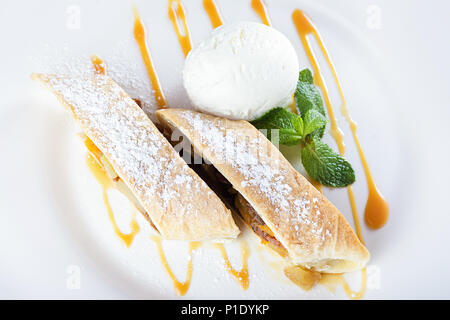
(299, 218)
(178, 203)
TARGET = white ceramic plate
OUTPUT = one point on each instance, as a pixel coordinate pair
(54, 226)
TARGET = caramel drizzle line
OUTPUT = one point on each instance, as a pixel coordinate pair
(242, 275)
(376, 203)
(181, 288)
(213, 12)
(177, 13)
(105, 183)
(259, 6)
(134, 226)
(356, 295)
(140, 37)
(377, 209)
(304, 27)
(99, 65)
(331, 281)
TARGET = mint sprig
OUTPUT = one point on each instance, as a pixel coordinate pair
(290, 125)
(314, 121)
(326, 166)
(307, 129)
(307, 96)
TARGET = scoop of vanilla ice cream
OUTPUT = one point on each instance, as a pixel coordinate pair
(241, 71)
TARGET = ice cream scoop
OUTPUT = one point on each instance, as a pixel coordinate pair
(241, 70)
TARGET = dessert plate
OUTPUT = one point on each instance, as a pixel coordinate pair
(56, 237)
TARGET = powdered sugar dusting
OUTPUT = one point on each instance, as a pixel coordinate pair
(121, 131)
(228, 147)
(123, 64)
(259, 170)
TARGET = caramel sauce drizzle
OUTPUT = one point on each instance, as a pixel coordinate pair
(307, 279)
(314, 182)
(104, 181)
(242, 275)
(377, 208)
(181, 288)
(140, 37)
(259, 6)
(98, 64)
(177, 14)
(213, 12)
(304, 27)
(332, 281)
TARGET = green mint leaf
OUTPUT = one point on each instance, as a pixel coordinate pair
(306, 95)
(298, 124)
(289, 137)
(326, 166)
(290, 125)
(314, 122)
(306, 76)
